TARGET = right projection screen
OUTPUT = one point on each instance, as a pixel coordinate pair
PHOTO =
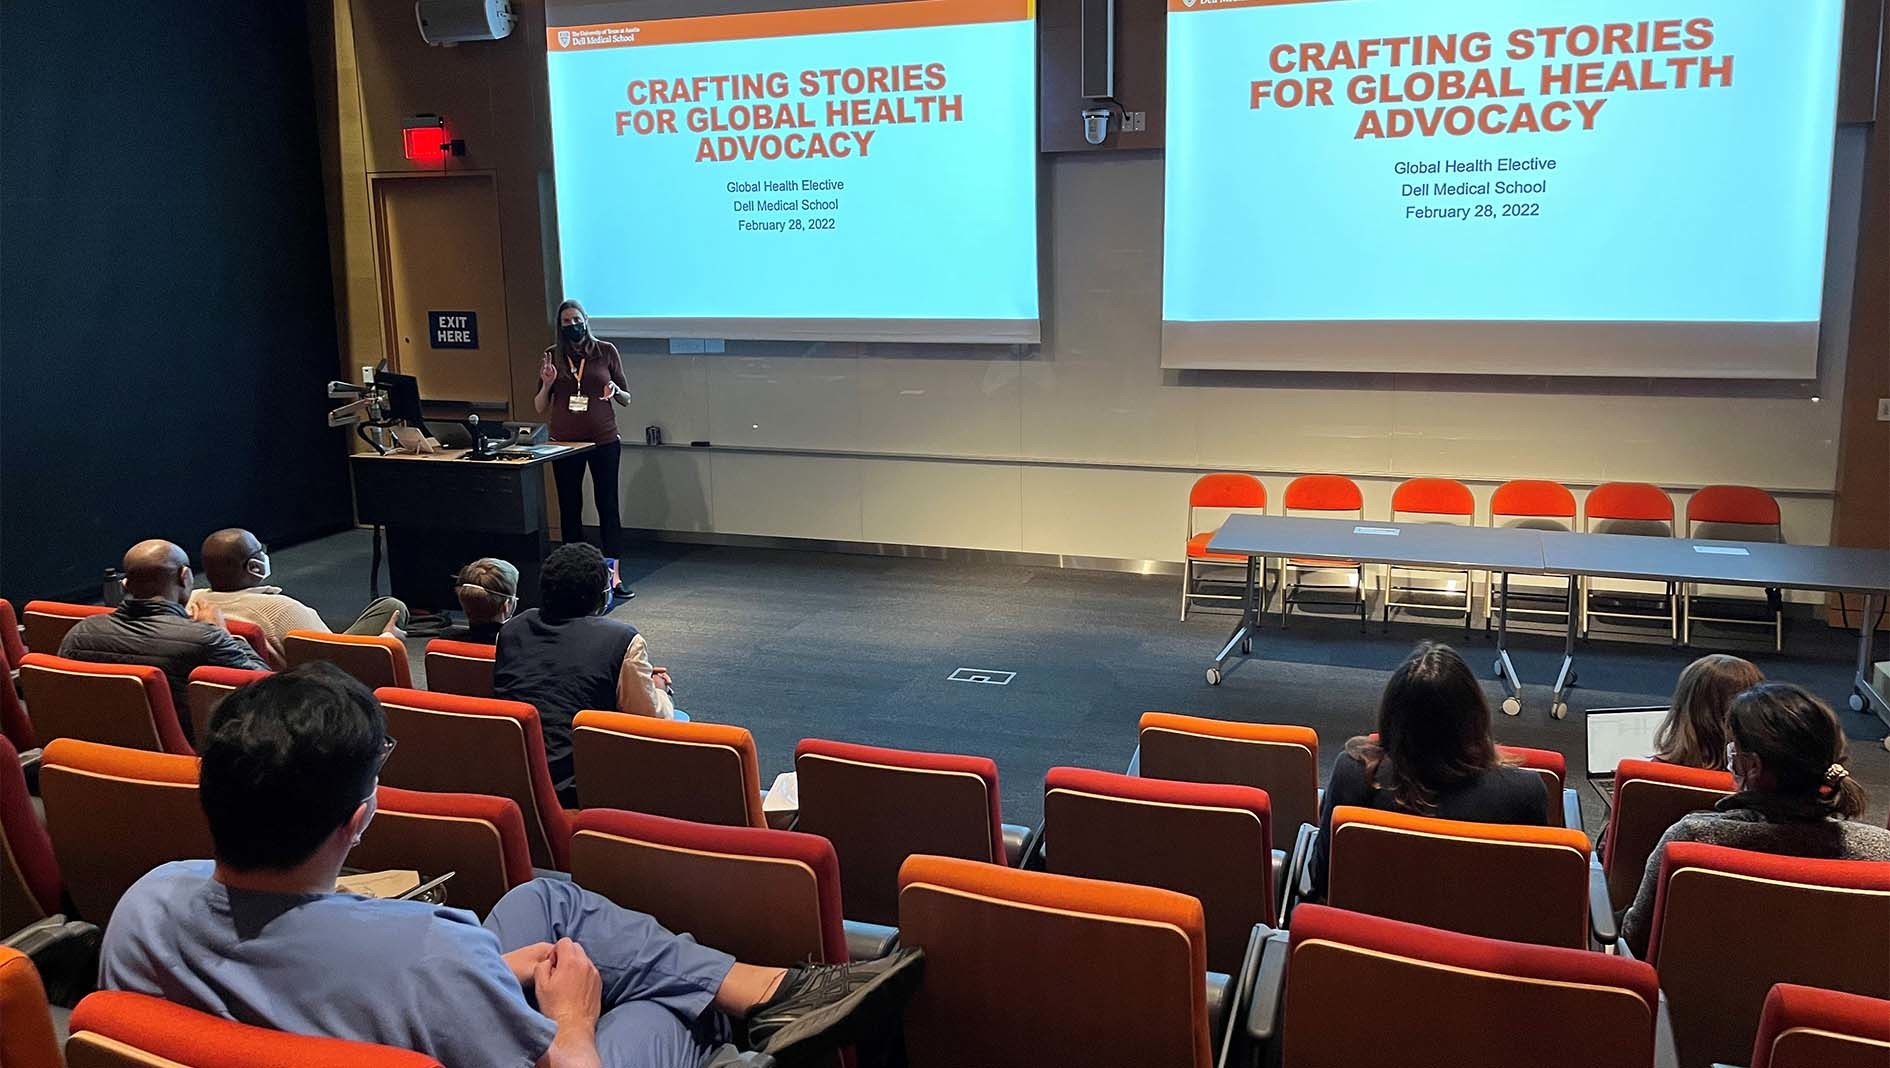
(1569, 187)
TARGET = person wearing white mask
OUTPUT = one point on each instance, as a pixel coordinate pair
(237, 565)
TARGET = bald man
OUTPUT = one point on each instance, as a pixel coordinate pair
(153, 627)
(237, 566)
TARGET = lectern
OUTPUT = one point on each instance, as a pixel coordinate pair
(443, 511)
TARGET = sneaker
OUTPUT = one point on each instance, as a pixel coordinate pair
(823, 1007)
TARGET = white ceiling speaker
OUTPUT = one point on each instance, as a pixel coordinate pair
(449, 22)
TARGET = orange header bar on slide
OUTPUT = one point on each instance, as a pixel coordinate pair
(747, 26)
(1216, 5)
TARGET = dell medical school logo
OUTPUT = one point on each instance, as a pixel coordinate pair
(564, 38)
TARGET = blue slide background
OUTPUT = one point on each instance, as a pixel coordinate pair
(1697, 205)
(939, 221)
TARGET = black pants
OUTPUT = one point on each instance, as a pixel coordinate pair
(568, 472)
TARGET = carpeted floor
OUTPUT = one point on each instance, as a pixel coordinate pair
(794, 645)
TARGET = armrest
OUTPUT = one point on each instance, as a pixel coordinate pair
(1601, 908)
(65, 952)
(1220, 995)
(1666, 1055)
(1269, 988)
(1571, 810)
(29, 767)
(551, 873)
(869, 941)
(1032, 857)
(1231, 1026)
(1016, 837)
(1296, 883)
(1135, 763)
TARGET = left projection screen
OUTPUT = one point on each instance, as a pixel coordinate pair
(865, 172)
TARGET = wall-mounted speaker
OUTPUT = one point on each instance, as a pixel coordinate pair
(449, 22)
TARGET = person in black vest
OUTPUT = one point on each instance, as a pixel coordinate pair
(563, 657)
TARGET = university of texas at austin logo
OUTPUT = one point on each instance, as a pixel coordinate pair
(564, 38)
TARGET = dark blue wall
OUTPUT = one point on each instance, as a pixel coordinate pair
(166, 305)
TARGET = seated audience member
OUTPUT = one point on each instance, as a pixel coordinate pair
(1694, 733)
(153, 627)
(488, 594)
(260, 936)
(563, 657)
(237, 566)
(1433, 756)
(1795, 797)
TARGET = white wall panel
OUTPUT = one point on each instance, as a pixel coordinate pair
(786, 402)
(962, 505)
(787, 496)
(948, 406)
(1110, 512)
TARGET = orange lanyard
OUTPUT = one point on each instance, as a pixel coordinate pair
(577, 372)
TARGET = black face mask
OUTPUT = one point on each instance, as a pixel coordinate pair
(575, 332)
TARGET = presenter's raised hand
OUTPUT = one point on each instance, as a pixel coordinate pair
(546, 372)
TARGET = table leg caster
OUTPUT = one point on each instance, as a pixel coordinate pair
(1559, 710)
(1857, 705)
(1214, 676)
(1512, 707)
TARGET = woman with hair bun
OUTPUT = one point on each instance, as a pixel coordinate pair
(1796, 798)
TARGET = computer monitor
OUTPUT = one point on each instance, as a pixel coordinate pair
(403, 399)
(1617, 734)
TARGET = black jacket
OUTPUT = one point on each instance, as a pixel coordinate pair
(157, 632)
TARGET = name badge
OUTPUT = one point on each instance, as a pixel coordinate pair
(579, 403)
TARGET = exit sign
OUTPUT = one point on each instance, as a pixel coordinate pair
(453, 329)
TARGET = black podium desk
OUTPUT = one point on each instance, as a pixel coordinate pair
(443, 511)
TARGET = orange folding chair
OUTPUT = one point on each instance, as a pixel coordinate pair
(1530, 504)
(1639, 509)
(1430, 500)
(1224, 494)
(1327, 582)
(1733, 513)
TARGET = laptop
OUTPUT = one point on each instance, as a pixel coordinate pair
(1617, 734)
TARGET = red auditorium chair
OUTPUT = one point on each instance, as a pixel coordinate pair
(1649, 797)
(114, 814)
(15, 725)
(460, 667)
(1279, 759)
(769, 897)
(1025, 969)
(481, 839)
(1638, 509)
(878, 806)
(1430, 500)
(1565, 806)
(1223, 493)
(1728, 924)
(126, 705)
(30, 886)
(1803, 1027)
(207, 688)
(703, 772)
(252, 636)
(47, 623)
(1210, 841)
(1733, 513)
(1332, 497)
(1524, 884)
(12, 646)
(118, 1029)
(472, 745)
(1361, 990)
(376, 659)
(1530, 504)
(26, 1026)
